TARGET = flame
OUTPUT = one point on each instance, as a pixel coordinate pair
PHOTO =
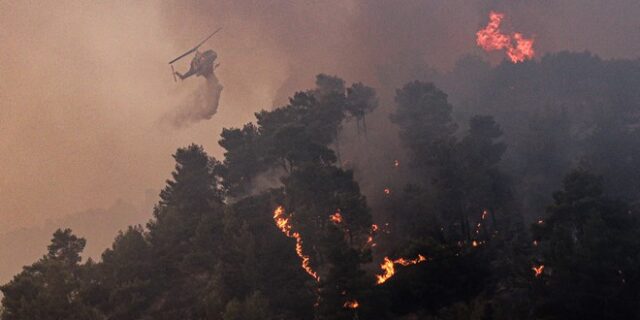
(396, 163)
(474, 243)
(523, 49)
(336, 217)
(516, 46)
(538, 270)
(284, 226)
(387, 191)
(351, 304)
(491, 38)
(388, 266)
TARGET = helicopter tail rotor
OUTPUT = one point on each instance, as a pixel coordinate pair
(173, 73)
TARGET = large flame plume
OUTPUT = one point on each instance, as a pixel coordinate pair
(516, 46)
(283, 224)
(389, 269)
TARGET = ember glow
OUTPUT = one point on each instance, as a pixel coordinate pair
(374, 229)
(388, 267)
(336, 217)
(351, 304)
(485, 213)
(516, 46)
(538, 270)
(283, 224)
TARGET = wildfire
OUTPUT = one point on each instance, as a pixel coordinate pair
(336, 217)
(351, 304)
(283, 224)
(388, 266)
(538, 270)
(516, 46)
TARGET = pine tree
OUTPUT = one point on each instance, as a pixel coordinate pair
(589, 248)
(186, 235)
(52, 287)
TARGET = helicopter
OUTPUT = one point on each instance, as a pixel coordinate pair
(202, 62)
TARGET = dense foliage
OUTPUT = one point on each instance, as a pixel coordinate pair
(281, 229)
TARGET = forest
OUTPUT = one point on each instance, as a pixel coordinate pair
(506, 191)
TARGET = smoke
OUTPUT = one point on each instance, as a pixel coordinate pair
(199, 105)
(23, 246)
(84, 84)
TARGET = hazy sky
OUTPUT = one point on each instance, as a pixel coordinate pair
(84, 84)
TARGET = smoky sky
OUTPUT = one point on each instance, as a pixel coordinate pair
(83, 85)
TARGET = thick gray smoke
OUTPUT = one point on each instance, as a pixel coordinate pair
(201, 104)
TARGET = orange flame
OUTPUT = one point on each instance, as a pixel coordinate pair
(351, 304)
(523, 49)
(516, 46)
(283, 224)
(336, 217)
(387, 191)
(538, 270)
(388, 266)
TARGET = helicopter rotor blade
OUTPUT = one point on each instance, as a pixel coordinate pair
(207, 38)
(183, 55)
(196, 47)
